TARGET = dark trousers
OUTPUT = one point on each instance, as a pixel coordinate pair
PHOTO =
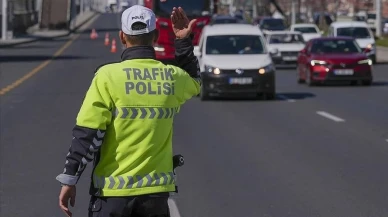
(155, 205)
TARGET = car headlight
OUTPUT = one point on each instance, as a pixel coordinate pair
(267, 69)
(318, 62)
(159, 48)
(211, 69)
(371, 46)
(367, 61)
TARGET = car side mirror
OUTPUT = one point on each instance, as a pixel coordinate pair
(197, 51)
(274, 51)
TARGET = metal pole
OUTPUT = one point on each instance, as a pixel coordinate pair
(254, 9)
(81, 7)
(378, 18)
(4, 20)
(293, 12)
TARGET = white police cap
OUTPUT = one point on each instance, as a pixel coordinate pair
(138, 13)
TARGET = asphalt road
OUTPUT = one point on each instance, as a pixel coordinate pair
(313, 152)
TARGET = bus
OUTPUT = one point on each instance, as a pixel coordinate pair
(201, 10)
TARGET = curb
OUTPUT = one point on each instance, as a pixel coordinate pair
(53, 37)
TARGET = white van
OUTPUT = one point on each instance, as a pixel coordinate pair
(234, 59)
(358, 30)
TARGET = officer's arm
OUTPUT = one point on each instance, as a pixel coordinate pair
(185, 58)
(88, 134)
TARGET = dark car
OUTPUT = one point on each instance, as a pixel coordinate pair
(272, 24)
(334, 59)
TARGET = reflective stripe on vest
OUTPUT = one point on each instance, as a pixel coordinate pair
(137, 181)
(145, 112)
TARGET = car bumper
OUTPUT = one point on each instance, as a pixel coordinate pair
(359, 73)
(220, 84)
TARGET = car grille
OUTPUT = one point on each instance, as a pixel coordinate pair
(289, 53)
(245, 71)
(343, 66)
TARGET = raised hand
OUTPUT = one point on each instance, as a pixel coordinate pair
(181, 25)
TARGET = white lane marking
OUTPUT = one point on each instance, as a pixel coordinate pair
(174, 211)
(286, 98)
(330, 116)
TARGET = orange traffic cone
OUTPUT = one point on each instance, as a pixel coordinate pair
(106, 39)
(113, 48)
(94, 34)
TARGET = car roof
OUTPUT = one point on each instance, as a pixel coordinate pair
(340, 24)
(332, 38)
(281, 32)
(232, 28)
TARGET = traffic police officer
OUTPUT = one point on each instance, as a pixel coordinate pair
(126, 120)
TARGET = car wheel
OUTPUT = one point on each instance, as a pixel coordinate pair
(269, 96)
(366, 82)
(204, 94)
(374, 59)
(354, 83)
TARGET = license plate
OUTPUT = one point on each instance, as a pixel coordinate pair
(289, 58)
(240, 80)
(343, 71)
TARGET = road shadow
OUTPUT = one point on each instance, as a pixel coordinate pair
(347, 84)
(285, 96)
(380, 83)
(32, 58)
(381, 63)
(23, 47)
(280, 96)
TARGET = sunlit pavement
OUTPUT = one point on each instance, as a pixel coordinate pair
(314, 151)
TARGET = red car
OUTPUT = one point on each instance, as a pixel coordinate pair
(334, 59)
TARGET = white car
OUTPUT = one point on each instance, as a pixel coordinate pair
(358, 30)
(234, 59)
(308, 30)
(285, 46)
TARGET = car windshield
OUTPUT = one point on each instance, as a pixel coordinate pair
(234, 44)
(286, 39)
(306, 29)
(372, 16)
(273, 23)
(192, 8)
(355, 32)
(335, 46)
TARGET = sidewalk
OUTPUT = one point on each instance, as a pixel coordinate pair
(382, 54)
(36, 34)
